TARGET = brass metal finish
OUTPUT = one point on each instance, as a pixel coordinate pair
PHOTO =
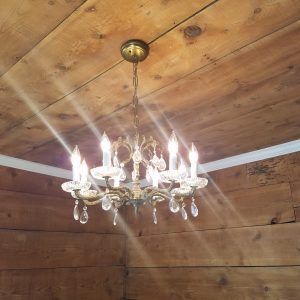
(134, 50)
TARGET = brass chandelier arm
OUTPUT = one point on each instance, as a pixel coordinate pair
(126, 190)
(125, 143)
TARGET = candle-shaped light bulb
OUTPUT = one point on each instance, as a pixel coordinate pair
(193, 156)
(106, 150)
(173, 149)
(84, 171)
(76, 159)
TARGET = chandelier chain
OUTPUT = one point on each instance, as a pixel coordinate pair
(135, 100)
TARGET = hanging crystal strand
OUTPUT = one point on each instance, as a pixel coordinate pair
(154, 215)
(106, 203)
(116, 160)
(162, 163)
(194, 208)
(148, 177)
(115, 216)
(76, 211)
(173, 205)
(183, 212)
(84, 215)
(122, 175)
(155, 160)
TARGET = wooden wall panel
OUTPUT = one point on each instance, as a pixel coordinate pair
(93, 283)
(36, 249)
(45, 253)
(214, 283)
(50, 213)
(271, 245)
(29, 182)
(246, 262)
(255, 206)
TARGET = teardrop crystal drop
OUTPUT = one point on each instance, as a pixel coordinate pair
(155, 160)
(183, 213)
(122, 175)
(76, 212)
(137, 156)
(84, 217)
(154, 216)
(162, 164)
(106, 203)
(115, 217)
(174, 206)
(116, 161)
(194, 209)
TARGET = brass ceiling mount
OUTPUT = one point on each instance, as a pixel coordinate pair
(134, 50)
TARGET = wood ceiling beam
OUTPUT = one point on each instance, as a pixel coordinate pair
(24, 24)
(238, 98)
(253, 24)
(83, 48)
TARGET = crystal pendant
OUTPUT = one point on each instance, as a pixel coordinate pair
(183, 213)
(106, 203)
(116, 161)
(84, 216)
(194, 209)
(115, 216)
(76, 211)
(162, 164)
(122, 175)
(174, 206)
(137, 156)
(133, 175)
(148, 177)
(154, 216)
(155, 160)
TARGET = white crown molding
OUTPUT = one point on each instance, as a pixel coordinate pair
(248, 157)
(270, 152)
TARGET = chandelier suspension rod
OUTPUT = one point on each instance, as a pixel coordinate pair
(135, 101)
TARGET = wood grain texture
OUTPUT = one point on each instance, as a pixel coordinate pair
(214, 283)
(36, 249)
(28, 182)
(271, 245)
(25, 23)
(256, 206)
(157, 72)
(48, 213)
(260, 173)
(295, 186)
(266, 91)
(65, 283)
(83, 47)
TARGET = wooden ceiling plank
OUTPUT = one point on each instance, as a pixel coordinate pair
(110, 92)
(235, 91)
(25, 23)
(84, 46)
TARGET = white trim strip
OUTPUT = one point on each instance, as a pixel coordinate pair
(17, 163)
(228, 162)
(248, 157)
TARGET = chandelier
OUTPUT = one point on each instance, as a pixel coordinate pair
(177, 184)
